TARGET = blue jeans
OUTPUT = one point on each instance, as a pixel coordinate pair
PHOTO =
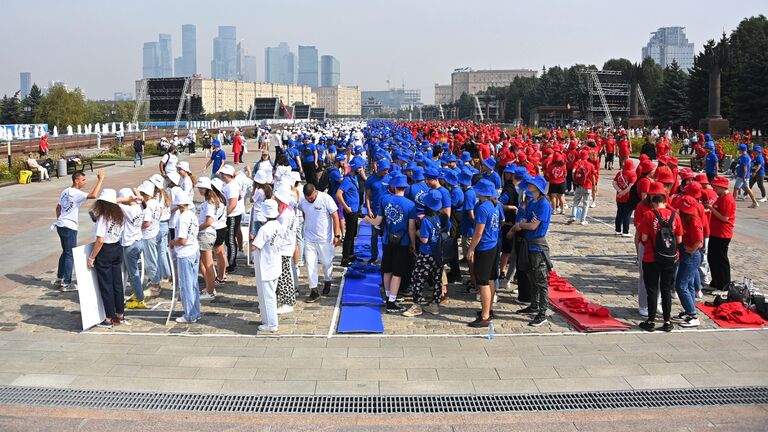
(131, 256)
(685, 282)
(150, 257)
(188, 286)
(138, 157)
(163, 266)
(68, 238)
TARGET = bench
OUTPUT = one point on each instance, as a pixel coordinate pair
(75, 162)
(35, 172)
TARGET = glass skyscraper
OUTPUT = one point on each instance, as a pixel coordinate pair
(330, 71)
(186, 65)
(150, 67)
(224, 63)
(668, 44)
(308, 66)
(165, 56)
(279, 64)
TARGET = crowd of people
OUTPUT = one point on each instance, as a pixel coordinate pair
(450, 201)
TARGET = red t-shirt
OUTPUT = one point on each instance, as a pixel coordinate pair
(640, 212)
(624, 148)
(555, 174)
(693, 231)
(624, 179)
(650, 226)
(589, 173)
(571, 157)
(726, 206)
(610, 146)
(485, 151)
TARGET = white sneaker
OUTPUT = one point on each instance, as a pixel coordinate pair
(267, 329)
(763, 199)
(284, 309)
(690, 322)
(699, 294)
(204, 296)
(68, 287)
(183, 320)
(754, 205)
(584, 222)
(565, 206)
(643, 312)
(626, 235)
(593, 205)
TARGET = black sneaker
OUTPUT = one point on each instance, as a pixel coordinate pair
(492, 315)
(680, 317)
(668, 326)
(530, 310)
(479, 323)
(231, 269)
(313, 296)
(105, 324)
(648, 326)
(394, 307)
(326, 288)
(538, 321)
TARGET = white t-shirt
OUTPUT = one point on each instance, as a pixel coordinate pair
(267, 259)
(152, 214)
(69, 201)
(291, 226)
(257, 199)
(133, 217)
(187, 228)
(165, 209)
(208, 210)
(245, 186)
(220, 221)
(110, 231)
(318, 222)
(232, 190)
(187, 186)
(170, 161)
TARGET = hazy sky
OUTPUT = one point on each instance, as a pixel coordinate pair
(96, 45)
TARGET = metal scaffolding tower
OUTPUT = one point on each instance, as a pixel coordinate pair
(608, 96)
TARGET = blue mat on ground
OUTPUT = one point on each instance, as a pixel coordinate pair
(362, 292)
(360, 319)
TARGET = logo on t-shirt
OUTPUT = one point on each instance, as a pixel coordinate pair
(66, 203)
(419, 197)
(494, 223)
(394, 214)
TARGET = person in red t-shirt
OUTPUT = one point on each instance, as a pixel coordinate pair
(610, 151)
(237, 148)
(571, 157)
(658, 276)
(622, 183)
(584, 179)
(722, 220)
(594, 158)
(624, 149)
(485, 150)
(690, 259)
(555, 174)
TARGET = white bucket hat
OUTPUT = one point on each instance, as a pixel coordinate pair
(261, 177)
(228, 170)
(269, 209)
(175, 178)
(147, 188)
(108, 195)
(204, 183)
(218, 184)
(284, 193)
(158, 181)
(184, 165)
(125, 193)
(181, 198)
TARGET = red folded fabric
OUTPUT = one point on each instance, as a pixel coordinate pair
(737, 313)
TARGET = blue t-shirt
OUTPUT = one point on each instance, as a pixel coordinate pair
(457, 198)
(445, 196)
(711, 163)
(218, 157)
(430, 229)
(416, 194)
(470, 201)
(540, 209)
(373, 182)
(350, 192)
(291, 154)
(491, 216)
(308, 152)
(759, 161)
(494, 178)
(743, 166)
(334, 180)
(397, 211)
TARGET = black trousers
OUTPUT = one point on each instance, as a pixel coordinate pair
(719, 265)
(524, 288)
(623, 216)
(758, 178)
(109, 274)
(348, 248)
(659, 279)
(310, 172)
(233, 224)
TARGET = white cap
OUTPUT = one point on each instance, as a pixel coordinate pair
(203, 182)
(181, 198)
(175, 178)
(184, 165)
(261, 177)
(218, 184)
(125, 193)
(147, 188)
(108, 195)
(269, 209)
(158, 181)
(284, 193)
(228, 170)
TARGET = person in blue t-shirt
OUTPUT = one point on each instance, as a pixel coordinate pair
(396, 214)
(451, 183)
(335, 174)
(373, 193)
(309, 158)
(488, 172)
(467, 227)
(711, 161)
(292, 155)
(535, 222)
(429, 263)
(482, 252)
(348, 197)
(217, 158)
(743, 173)
(417, 190)
(758, 172)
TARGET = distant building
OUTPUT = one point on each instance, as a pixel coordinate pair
(443, 94)
(224, 63)
(240, 61)
(668, 44)
(394, 99)
(250, 73)
(279, 64)
(151, 61)
(339, 101)
(471, 81)
(165, 56)
(186, 65)
(330, 71)
(308, 66)
(25, 83)
(122, 96)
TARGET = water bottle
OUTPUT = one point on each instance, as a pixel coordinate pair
(491, 331)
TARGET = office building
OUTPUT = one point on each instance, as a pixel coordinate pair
(471, 82)
(443, 94)
(150, 68)
(165, 56)
(668, 44)
(25, 83)
(279, 64)
(186, 65)
(308, 66)
(339, 101)
(250, 69)
(240, 60)
(330, 71)
(394, 99)
(224, 63)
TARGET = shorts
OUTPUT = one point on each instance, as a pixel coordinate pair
(556, 188)
(486, 265)
(396, 260)
(506, 244)
(609, 157)
(221, 235)
(206, 240)
(739, 182)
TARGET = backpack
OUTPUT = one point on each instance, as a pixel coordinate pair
(445, 249)
(665, 250)
(634, 197)
(580, 174)
(323, 183)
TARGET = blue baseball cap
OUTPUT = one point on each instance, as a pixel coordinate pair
(432, 173)
(398, 181)
(450, 157)
(418, 174)
(742, 147)
(490, 163)
(433, 199)
(355, 165)
(757, 149)
(540, 184)
(465, 178)
(486, 188)
(709, 146)
(358, 149)
(216, 143)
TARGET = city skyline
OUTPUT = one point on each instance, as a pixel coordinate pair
(371, 58)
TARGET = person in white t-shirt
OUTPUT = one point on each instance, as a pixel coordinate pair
(32, 164)
(267, 265)
(206, 236)
(187, 179)
(107, 256)
(169, 161)
(289, 250)
(322, 233)
(220, 225)
(132, 243)
(187, 258)
(160, 243)
(67, 216)
(235, 210)
(150, 227)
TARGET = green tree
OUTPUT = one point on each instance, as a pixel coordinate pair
(672, 106)
(466, 106)
(619, 64)
(651, 81)
(747, 77)
(62, 107)
(32, 101)
(10, 110)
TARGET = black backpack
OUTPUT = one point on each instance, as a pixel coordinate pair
(634, 197)
(444, 251)
(665, 251)
(323, 183)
